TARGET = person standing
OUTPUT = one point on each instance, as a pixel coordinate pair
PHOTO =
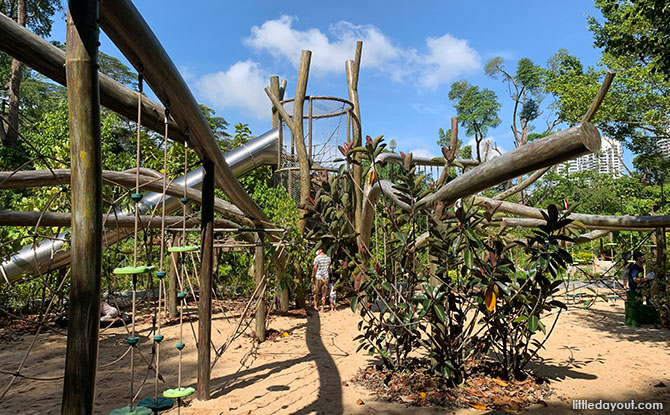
(635, 272)
(320, 274)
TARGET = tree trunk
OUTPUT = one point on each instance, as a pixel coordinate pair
(11, 138)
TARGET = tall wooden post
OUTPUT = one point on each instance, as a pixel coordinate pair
(352, 68)
(294, 122)
(207, 261)
(282, 283)
(259, 271)
(661, 252)
(81, 357)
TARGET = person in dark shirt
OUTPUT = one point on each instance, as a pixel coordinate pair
(635, 272)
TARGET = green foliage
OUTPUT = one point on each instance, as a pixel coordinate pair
(39, 14)
(529, 75)
(477, 110)
(595, 193)
(465, 152)
(218, 126)
(583, 257)
(637, 30)
(466, 303)
(633, 112)
(525, 89)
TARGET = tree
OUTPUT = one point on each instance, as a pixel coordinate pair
(35, 14)
(525, 89)
(634, 111)
(635, 29)
(477, 110)
(219, 125)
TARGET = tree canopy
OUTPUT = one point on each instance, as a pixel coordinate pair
(635, 29)
(477, 110)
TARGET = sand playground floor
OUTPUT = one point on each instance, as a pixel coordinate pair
(591, 356)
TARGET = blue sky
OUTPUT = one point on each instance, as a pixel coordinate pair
(412, 52)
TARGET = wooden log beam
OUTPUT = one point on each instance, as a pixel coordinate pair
(533, 223)
(132, 35)
(83, 96)
(607, 222)
(588, 117)
(38, 178)
(49, 60)
(110, 221)
(550, 150)
(206, 271)
(547, 151)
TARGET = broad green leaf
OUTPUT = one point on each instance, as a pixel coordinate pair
(439, 311)
(533, 323)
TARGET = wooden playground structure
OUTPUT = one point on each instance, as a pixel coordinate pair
(179, 118)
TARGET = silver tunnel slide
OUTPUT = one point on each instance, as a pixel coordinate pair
(257, 152)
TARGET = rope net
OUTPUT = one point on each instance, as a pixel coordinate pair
(325, 127)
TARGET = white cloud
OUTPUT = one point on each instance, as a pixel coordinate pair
(448, 57)
(445, 57)
(241, 87)
(422, 152)
(188, 73)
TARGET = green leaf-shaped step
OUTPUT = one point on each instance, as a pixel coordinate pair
(137, 410)
(178, 393)
(188, 248)
(160, 404)
(134, 270)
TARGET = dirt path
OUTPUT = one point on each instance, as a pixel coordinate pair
(591, 355)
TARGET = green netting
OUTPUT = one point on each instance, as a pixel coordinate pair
(137, 410)
(133, 270)
(178, 393)
(188, 248)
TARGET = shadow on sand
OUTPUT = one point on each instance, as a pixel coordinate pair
(329, 394)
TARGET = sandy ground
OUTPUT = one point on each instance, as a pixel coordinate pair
(591, 355)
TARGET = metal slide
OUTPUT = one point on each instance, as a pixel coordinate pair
(260, 151)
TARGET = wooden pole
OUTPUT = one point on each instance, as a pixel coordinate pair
(606, 222)
(661, 253)
(294, 122)
(352, 68)
(602, 222)
(590, 113)
(310, 129)
(282, 283)
(259, 272)
(299, 134)
(81, 356)
(49, 60)
(206, 272)
(550, 150)
(40, 219)
(132, 35)
(37, 178)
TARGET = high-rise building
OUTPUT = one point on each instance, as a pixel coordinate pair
(607, 160)
(664, 146)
